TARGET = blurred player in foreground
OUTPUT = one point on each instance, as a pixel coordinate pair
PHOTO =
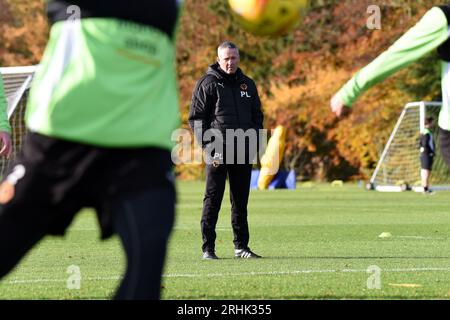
(102, 108)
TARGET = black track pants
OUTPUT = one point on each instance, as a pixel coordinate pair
(143, 223)
(131, 190)
(239, 176)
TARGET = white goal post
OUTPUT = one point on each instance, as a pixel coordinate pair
(399, 166)
(17, 82)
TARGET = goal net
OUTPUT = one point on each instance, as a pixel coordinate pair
(17, 82)
(399, 166)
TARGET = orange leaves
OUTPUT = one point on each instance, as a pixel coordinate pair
(296, 75)
(23, 32)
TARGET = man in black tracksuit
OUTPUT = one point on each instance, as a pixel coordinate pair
(225, 99)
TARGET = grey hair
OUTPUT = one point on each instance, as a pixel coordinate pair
(227, 45)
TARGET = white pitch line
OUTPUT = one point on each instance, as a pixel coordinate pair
(421, 237)
(243, 274)
(275, 273)
(18, 281)
(195, 228)
(218, 275)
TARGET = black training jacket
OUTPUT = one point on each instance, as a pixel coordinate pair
(222, 101)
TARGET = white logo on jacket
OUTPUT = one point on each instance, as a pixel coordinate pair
(245, 94)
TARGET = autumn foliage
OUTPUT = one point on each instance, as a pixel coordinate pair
(296, 74)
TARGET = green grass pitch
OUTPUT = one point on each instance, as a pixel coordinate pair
(317, 243)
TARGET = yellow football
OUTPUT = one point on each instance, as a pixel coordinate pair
(269, 17)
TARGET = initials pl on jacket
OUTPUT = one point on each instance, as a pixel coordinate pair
(244, 92)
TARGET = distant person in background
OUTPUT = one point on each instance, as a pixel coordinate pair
(102, 109)
(431, 32)
(5, 128)
(427, 151)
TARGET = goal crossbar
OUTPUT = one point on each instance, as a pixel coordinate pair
(17, 82)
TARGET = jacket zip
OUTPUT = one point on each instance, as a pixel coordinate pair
(236, 108)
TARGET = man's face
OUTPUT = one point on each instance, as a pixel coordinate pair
(228, 60)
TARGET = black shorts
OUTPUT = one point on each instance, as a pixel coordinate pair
(426, 162)
(58, 178)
